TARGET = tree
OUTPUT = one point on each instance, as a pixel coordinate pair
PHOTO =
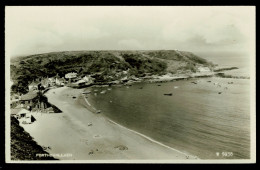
(20, 87)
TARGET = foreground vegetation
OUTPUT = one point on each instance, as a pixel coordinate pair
(23, 147)
(104, 66)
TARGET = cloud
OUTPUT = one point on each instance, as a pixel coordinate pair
(211, 30)
(31, 30)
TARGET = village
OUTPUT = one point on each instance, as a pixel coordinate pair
(23, 106)
(34, 101)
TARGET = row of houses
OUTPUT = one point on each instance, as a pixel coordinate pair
(77, 82)
(70, 79)
(26, 103)
(23, 115)
(32, 100)
(46, 83)
(22, 105)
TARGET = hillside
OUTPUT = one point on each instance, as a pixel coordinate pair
(106, 63)
(23, 147)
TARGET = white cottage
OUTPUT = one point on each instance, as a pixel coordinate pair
(20, 113)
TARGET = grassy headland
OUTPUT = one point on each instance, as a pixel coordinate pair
(105, 66)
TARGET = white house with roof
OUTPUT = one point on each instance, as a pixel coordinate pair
(51, 81)
(24, 116)
(45, 82)
(28, 99)
(203, 69)
(20, 112)
(34, 85)
(70, 75)
(87, 79)
(60, 81)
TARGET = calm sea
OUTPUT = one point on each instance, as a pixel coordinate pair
(203, 119)
(230, 59)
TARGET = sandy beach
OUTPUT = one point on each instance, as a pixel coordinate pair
(79, 134)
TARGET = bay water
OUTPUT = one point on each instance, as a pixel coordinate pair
(210, 119)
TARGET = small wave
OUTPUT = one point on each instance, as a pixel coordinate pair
(89, 104)
(144, 136)
(152, 140)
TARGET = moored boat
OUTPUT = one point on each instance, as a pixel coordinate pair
(86, 92)
(168, 94)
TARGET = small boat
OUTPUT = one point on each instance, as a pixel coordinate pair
(103, 92)
(219, 92)
(176, 87)
(98, 111)
(86, 92)
(168, 94)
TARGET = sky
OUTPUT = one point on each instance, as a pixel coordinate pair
(34, 30)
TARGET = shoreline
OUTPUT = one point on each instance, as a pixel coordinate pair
(172, 77)
(90, 111)
(90, 136)
(150, 139)
(217, 86)
(140, 134)
(70, 94)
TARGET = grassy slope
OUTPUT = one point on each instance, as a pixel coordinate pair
(108, 63)
(23, 147)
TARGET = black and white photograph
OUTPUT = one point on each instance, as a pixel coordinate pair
(130, 84)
